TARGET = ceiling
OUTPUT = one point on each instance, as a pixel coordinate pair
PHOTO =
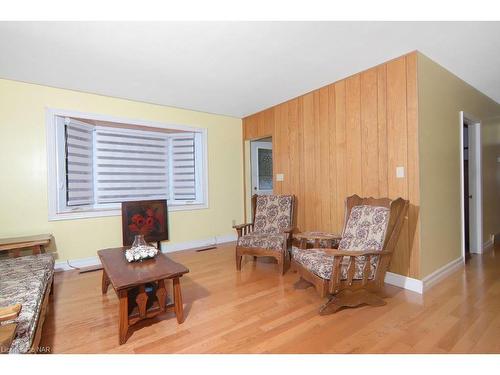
(234, 68)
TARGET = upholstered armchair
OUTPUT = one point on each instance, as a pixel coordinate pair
(269, 234)
(354, 273)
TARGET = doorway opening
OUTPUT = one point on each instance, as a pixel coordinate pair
(261, 155)
(466, 192)
(471, 185)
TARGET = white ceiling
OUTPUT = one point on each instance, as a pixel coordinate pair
(234, 68)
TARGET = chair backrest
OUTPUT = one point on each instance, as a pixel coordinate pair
(377, 222)
(365, 228)
(272, 213)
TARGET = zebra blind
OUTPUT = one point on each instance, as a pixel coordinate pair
(79, 163)
(184, 167)
(130, 165)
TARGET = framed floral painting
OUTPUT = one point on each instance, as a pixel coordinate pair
(149, 218)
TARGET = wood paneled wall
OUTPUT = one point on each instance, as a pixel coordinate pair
(348, 138)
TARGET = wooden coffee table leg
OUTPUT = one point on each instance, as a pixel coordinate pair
(105, 282)
(142, 300)
(161, 294)
(178, 307)
(123, 316)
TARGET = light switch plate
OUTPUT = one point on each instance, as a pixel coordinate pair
(400, 172)
(280, 177)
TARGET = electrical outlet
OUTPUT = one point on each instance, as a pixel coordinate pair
(234, 222)
(400, 172)
(280, 177)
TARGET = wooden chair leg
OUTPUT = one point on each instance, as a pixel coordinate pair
(348, 298)
(52, 286)
(238, 261)
(281, 265)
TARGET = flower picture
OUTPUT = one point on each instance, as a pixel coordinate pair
(148, 218)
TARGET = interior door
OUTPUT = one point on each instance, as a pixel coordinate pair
(261, 154)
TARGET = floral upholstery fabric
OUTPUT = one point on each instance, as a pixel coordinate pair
(262, 241)
(273, 213)
(272, 216)
(365, 230)
(321, 264)
(24, 280)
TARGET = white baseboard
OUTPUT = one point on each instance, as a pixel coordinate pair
(420, 286)
(168, 248)
(404, 282)
(68, 265)
(165, 248)
(442, 272)
(488, 243)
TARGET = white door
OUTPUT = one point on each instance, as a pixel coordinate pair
(261, 154)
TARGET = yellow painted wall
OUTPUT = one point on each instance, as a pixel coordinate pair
(442, 96)
(23, 173)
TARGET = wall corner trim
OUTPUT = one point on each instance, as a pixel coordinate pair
(442, 273)
(421, 286)
(404, 282)
(68, 265)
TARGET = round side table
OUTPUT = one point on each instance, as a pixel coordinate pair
(317, 237)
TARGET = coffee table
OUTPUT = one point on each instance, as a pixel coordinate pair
(140, 287)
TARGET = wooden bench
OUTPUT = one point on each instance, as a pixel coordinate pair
(14, 245)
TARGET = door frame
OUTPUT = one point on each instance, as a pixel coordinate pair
(476, 242)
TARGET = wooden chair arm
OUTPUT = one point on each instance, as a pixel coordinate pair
(352, 253)
(241, 226)
(287, 232)
(10, 312)
(243, 229)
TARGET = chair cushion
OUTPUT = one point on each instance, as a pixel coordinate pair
(365, 229)
(262, 241)
(24, 280)
(321, 264)
(272, 213)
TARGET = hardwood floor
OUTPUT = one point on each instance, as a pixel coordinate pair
(258, 311)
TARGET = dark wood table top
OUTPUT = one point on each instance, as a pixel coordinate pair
(123, 274)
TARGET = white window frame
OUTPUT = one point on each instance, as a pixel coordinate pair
(55, 167)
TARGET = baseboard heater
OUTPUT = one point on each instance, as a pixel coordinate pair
(205, 248)
(90, 269)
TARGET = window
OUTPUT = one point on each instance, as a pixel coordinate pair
(94, 165)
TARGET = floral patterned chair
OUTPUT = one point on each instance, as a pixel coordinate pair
(354, 273)
(270, 233)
